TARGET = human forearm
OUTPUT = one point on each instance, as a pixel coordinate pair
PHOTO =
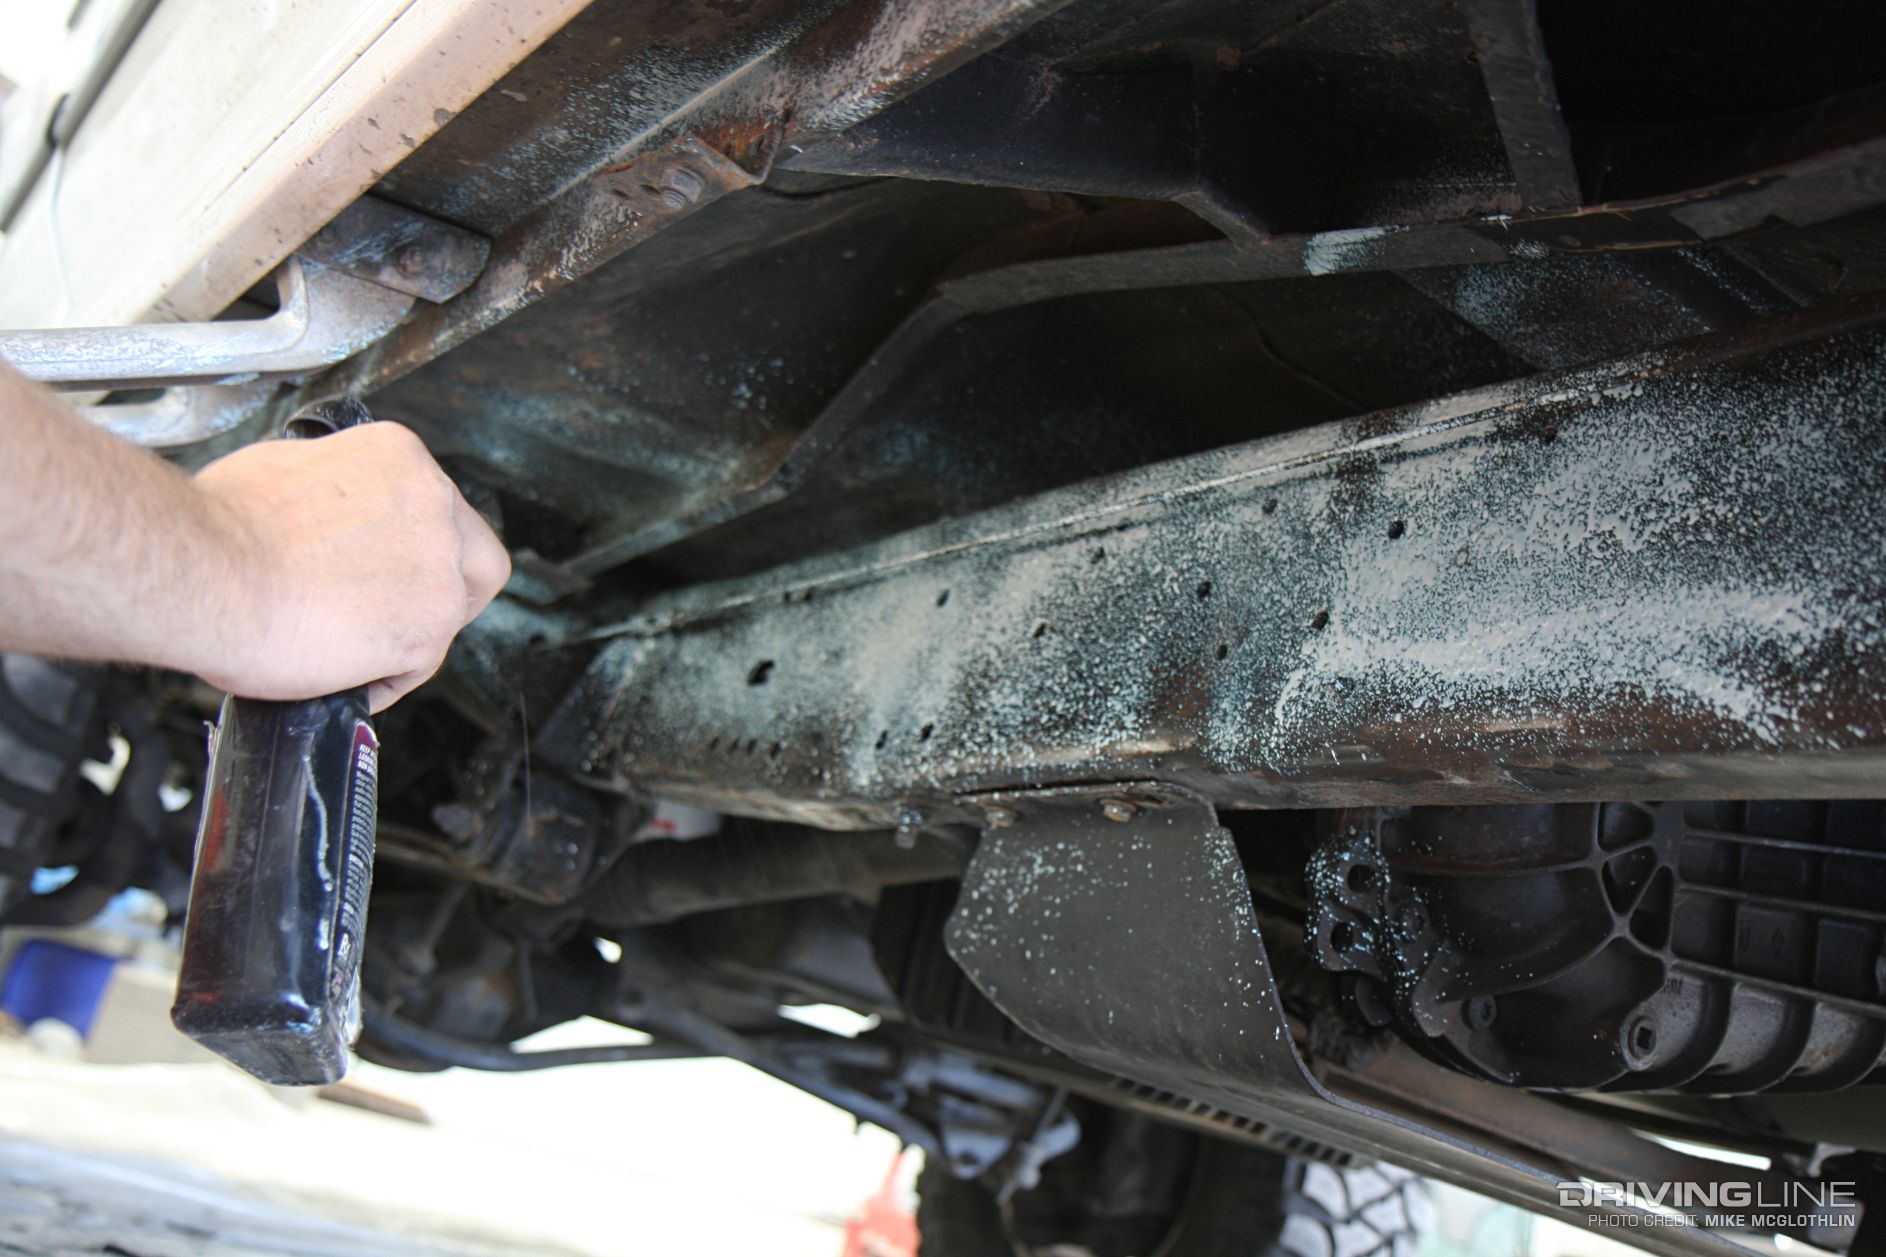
(107, 552)
(286, 570)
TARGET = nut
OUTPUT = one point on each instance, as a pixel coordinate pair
(1119, 809)
(683, 188)
(410, 260)
(999, 817)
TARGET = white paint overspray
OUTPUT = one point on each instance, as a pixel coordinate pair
(1355, 248)
(1628, 565)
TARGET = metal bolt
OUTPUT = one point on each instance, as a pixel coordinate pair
(909, 820)
(410, 260)
(683, 188)
(1480, 1011)
(1118, 809)
(999, 817)
(1639, 1041)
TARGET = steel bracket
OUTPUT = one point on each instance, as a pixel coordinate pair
(348, 286)
(324, 315)
(1115, 924)
(400, 249)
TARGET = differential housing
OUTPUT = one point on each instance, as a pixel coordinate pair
(1715, 948)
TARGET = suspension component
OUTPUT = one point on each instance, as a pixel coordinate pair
(1718, 948)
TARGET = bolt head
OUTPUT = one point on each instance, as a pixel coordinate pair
(410, 260)
(1121, 810)
(1639, 1042)
(683, 188)
(1000, 817)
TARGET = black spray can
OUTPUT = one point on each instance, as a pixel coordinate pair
(270, 977)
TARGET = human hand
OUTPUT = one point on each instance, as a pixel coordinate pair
(356, 563)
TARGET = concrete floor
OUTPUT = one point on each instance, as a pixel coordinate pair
(56, 1202)
(163, 1160)
(151, 1147)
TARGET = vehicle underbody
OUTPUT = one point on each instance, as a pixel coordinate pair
(1304, 575)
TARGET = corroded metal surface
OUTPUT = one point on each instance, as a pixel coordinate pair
(596, 220)
(1071, 904)
(840, 68)
(400, 249)
(1444, 258)
(641, 115)
(1658, 577)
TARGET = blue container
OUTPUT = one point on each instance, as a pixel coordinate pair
(48, 979)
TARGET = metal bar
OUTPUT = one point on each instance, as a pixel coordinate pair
(1790, 903)
(1518, 75)
(1775, 986)
(325, 315)
(1812, 191)
(182, 416)
(341, 291)
(848, 65)
(654, 883)
(79, 357)
(1619, 581)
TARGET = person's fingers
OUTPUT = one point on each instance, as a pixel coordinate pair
(483, 567)
(361, 528)
(383, 693)
(483, 560)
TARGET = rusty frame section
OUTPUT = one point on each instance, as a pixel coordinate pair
(1657, 577)
(1811, 191)
(854, 61)
(811, 104)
